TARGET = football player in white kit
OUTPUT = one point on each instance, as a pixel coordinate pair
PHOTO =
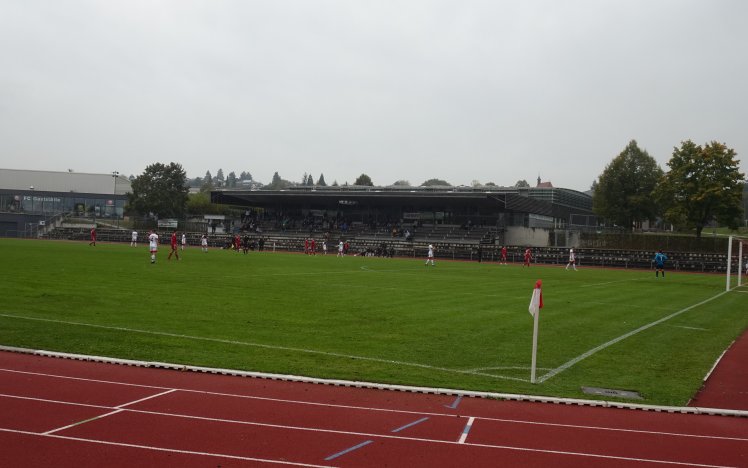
(204, 243)
(134, 239)
(430, 255)
(572, 260)
(184, 240)
(153, 245)
(340, 249)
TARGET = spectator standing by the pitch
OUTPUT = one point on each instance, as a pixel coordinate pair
(134, 239)
(184, 240)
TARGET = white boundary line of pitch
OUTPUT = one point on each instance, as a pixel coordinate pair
(267, 346)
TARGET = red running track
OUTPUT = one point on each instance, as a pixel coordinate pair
(58, 412)
(727, 386)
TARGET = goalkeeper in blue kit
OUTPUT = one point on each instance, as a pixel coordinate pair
(659, 260)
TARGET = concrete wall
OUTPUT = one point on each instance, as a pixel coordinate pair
(533, 237)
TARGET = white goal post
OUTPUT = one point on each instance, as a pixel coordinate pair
(738, 262)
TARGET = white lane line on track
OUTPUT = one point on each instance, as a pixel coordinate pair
(147, 398)
(466, 431)
(95, 418)
(161, 449)
(267, 346)
(385, 410)
(411, 439)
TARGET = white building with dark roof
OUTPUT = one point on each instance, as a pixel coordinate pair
(29, 197)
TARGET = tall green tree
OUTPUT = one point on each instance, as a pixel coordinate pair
(321, 181)
(624, 189)
(522, 183)
(310, 181)
(161, 190)
(402, 183)
(702, 185)
(231, 180)
(364, 179)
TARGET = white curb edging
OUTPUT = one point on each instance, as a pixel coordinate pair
(380, 386)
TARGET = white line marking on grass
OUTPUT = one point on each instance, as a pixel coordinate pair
(527, 368)
(161, 449)
(267, 346)
(589, 353)
(592, 285)
(690, 328)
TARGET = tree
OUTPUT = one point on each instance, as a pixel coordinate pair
(364, 179)
(475, 183)
(160, 190)
(521, 183)
(207, 185)
(402, 183)
(304, 179)
(200, 204)
(231, 180)
(310, 181)
(624, 190)
(219, 176)
(321, 181)
(436, 183)
(703, 184)
(245, 176)
(277, 183)
(491, 184)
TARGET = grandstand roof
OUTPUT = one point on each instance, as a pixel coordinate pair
(557, 202)
(52, 181)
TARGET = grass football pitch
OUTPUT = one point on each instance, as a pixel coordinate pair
(460, 325)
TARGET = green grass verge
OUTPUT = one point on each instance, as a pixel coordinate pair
(458, 325)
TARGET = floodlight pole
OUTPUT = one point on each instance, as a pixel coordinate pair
(729, 262)
(534, 345)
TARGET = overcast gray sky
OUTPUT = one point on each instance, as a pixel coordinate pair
(494, 91)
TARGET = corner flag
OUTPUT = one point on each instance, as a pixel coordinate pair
(536, 301)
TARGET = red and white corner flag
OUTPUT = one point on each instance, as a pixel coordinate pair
(536, 302)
